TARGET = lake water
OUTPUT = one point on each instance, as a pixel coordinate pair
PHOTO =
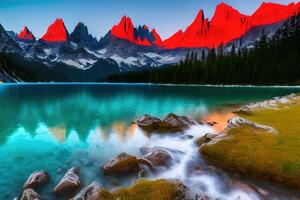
(57, 126)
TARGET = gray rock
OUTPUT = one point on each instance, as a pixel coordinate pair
(91, 192)
(123, 164)
(157, 156)
(30, 194)
(36, 179)
(172, 123)
(69, 183)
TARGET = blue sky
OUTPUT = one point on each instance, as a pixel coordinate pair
(167, 16)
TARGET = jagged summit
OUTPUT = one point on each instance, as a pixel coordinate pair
(140, 35)
(228, 24)
(26, 34)
(81, 36)
(56, 32)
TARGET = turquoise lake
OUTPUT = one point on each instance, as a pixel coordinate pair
(57, 126)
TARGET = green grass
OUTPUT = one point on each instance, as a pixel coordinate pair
(144, 190)
(260, 154)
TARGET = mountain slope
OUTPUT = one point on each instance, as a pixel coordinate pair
(228, 24)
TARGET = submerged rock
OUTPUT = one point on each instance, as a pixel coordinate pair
(157, 156)
(69, 183)
(172, 123)
(123, 164)
(91, 192)
(30, 194)
(36, 179)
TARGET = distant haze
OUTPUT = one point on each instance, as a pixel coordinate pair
(167, 16)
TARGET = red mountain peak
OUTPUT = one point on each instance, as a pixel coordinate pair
(25, 34)
(56, 32)
(124, 30)
(157, 39)
(269, 13)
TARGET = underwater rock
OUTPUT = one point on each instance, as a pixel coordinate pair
(69, 183)
(157, 156)
(91, 192)
(30, 194)
(36, 179)
(172, 123)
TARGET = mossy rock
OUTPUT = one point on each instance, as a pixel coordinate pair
(147, 190)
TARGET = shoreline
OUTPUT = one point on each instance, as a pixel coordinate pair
(149, 84)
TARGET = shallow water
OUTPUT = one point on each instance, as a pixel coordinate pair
(58, 126)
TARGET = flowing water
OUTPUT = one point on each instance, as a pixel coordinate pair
(57, 126)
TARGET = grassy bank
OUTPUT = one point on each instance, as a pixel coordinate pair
(258, 153)
(145, 190)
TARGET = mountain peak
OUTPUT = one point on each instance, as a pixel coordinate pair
(26, 34)
(56, 32)
(81, 36)
(157, 39)
(124, 30)
(269, 13)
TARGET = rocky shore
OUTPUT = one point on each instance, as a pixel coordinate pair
(213, 145)
(151, 161)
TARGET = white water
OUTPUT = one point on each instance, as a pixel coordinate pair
(187, 157)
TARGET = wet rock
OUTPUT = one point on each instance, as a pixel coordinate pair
(123, 164)
(206, 139)
(36, 179)
(69, 183)
(157, 156)
(91, 192)
(148, 120)
(30, 194)
(237, 121)
(172, 123)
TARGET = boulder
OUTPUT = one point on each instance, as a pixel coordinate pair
(91, 192)
(69, 183)
(30, 194)
(172, 123)
(123, 164)
(36, 179)
(157, 156)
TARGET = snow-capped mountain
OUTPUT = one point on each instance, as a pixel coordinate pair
(131, 48)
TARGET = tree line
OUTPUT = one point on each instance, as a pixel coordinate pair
(270, 61)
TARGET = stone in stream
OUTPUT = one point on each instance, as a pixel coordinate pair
(36, 179)
(125, 164)
(158, 156)
(206, 139)
(69, 184)
(91, 192)
(172, 123)
(30, 194)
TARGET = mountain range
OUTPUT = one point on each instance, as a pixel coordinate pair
(79, 56)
